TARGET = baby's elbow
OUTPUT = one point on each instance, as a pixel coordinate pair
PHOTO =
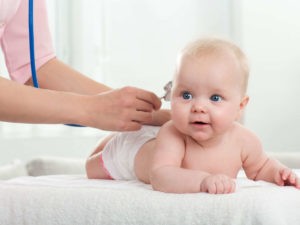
(163, 187)
(157, 186)
(159, 183)
(154, 180)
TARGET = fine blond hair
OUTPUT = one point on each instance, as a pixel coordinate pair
(210, 46)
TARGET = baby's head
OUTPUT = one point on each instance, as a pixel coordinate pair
(209, 88)
(220, 50)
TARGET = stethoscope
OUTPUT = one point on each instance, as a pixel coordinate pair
(31, 44)
(32, 50)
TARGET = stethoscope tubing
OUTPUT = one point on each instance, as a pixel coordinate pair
(31, 43)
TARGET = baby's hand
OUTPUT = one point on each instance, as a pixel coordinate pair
(285, 177)
(217, 184)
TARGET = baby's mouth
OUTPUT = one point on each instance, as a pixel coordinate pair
(199, 123)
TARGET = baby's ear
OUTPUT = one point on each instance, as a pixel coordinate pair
(244, 102)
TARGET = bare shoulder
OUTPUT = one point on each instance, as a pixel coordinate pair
(245, 135)
(169, 130)
(169, 139)
(251, 147)
(250, 143)
(252, 154)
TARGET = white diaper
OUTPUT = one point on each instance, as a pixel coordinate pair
(119, 153)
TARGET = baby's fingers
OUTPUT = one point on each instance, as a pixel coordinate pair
(229, 186)
(278, 178)
(224, 186)
(290, 178)
(294, 180)
(297, 182)
(285, 173)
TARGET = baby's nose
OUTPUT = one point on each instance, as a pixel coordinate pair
(199, 106)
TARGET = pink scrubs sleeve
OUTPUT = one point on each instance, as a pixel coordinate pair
(15, 41)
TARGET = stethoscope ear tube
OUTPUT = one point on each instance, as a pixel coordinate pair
(32, 49)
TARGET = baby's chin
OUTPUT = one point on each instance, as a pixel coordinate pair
(201, 138)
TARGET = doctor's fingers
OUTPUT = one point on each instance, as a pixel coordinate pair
(149, 98)
(130, 97)
(140, 105)
(142, 117)
(135, 120)
(129, 120)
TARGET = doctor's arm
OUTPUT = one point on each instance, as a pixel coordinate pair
(25, 104)
(120, 109)
(56, 75)
(131, 101)
(20, 103)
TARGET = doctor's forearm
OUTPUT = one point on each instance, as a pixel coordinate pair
(56, 75)
(19, 103)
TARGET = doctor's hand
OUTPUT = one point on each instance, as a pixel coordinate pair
(122, 109)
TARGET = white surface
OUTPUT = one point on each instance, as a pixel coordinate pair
(42, 166)
(13, 169)
(72, 199)
(28, 148)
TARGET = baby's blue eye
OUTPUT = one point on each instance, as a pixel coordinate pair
(187, 95)
(216, 98)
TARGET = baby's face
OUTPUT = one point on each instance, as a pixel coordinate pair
(207, 95)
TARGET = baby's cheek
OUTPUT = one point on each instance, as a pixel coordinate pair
(224, 118)
(178, 111)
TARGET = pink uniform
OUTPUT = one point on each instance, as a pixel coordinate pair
(14, 37)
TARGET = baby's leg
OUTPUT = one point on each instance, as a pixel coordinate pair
(94, 164)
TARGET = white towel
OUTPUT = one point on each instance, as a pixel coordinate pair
(72, 199)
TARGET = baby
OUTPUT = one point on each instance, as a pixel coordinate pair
(204, 146)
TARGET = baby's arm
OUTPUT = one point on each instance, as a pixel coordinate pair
(275, 172)
(258, 166)
(167, 174)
